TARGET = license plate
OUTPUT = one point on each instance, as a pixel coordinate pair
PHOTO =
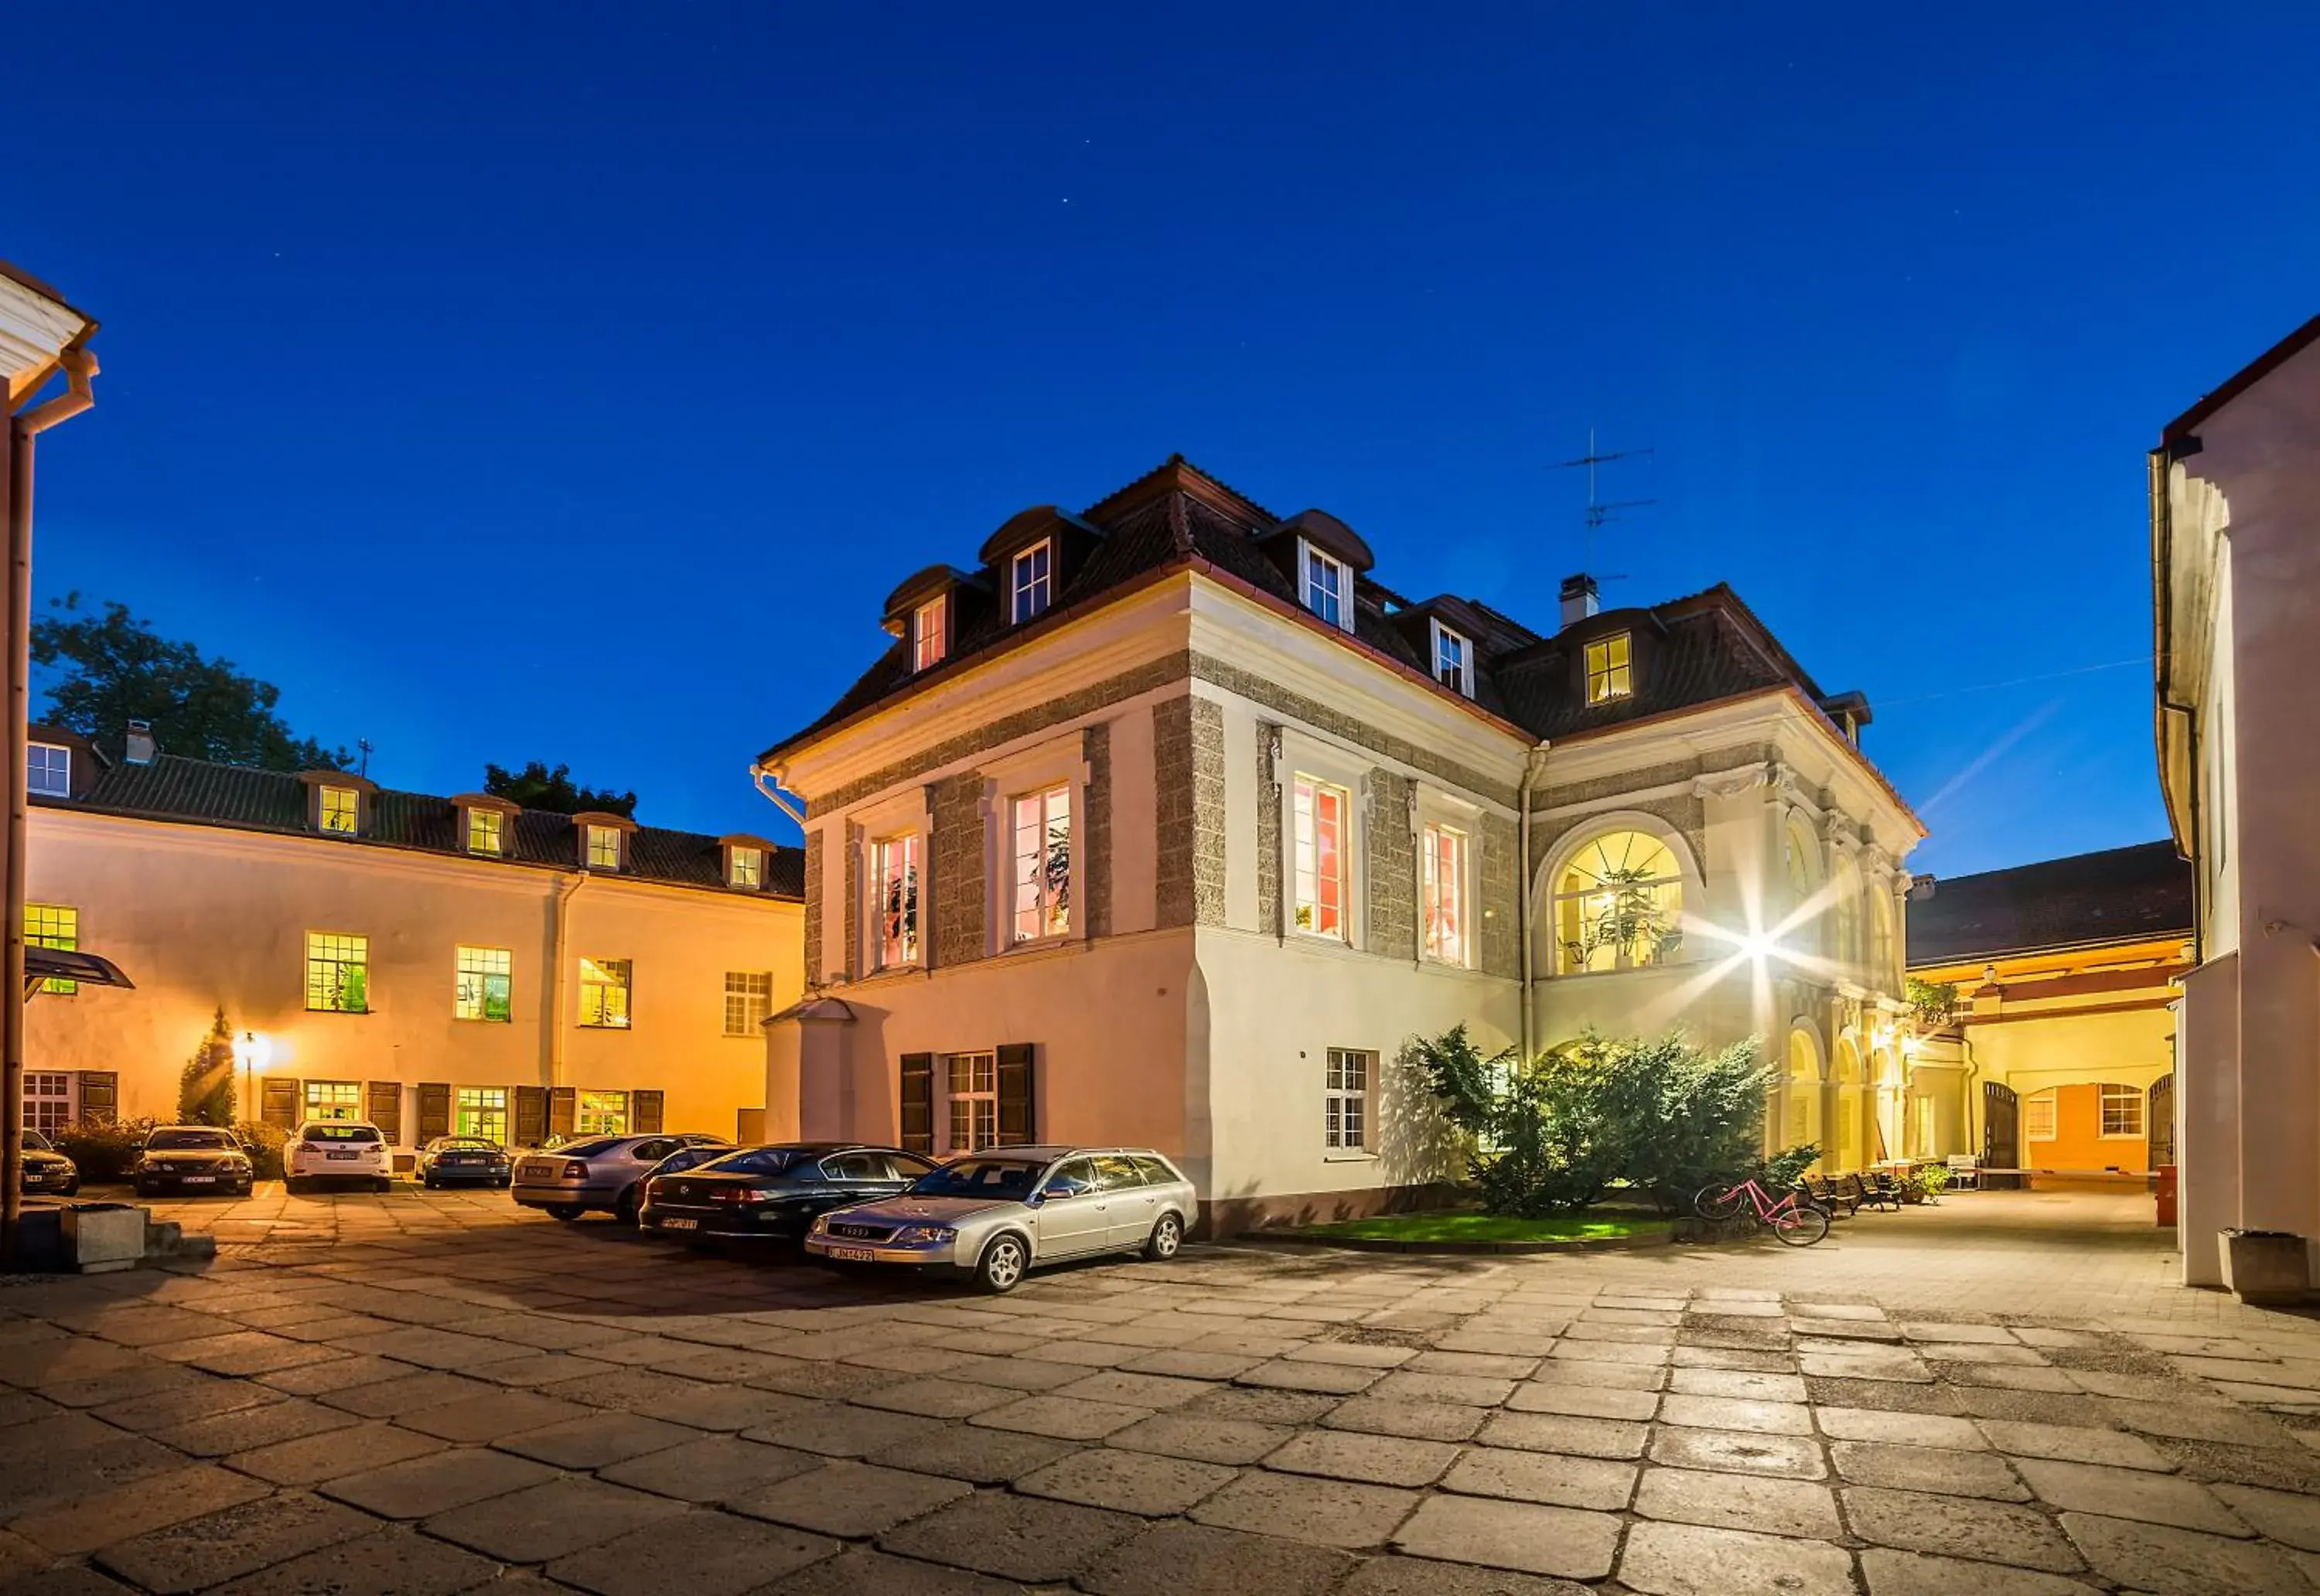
(855, 1255)
(199, 1180)
(680, 1224)
(340, 1155)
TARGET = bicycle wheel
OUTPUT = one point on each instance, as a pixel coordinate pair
(1718, 1202)
(1801, 1227)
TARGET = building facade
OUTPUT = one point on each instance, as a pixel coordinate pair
(2235, 565)
(435, 964)
(1167, 823)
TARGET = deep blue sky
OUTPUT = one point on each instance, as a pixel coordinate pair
(573, 382)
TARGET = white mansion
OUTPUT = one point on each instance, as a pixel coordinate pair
(1167, 823)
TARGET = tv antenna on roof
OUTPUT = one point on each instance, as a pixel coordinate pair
(1601, 510)
(363, 769)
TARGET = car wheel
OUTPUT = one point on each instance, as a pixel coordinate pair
(427, 1183)
(625, 1210)
(72, 1189)
(386, 1183)
(1166, 1237)
(567, 1211)
(502, 1184)
(1001, 1265)
(142, 1189)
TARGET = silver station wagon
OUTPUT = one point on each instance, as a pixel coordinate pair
(996, 1214)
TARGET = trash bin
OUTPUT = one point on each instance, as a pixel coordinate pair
(2165, 1189)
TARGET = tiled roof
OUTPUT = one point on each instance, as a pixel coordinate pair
(2122, 894)
(172, 788)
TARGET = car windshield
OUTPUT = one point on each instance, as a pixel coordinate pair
(758, 1161)
(589, 1150)
(347, 1133)
(35, 1142)
(980, 1177)
(466, 1144)
(173, 1141)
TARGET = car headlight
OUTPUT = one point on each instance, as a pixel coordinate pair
(911, 1233)
(822, 1224)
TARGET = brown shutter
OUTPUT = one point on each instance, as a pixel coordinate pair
(277, 1101)
(100, 1096)
(434, 1110)
(644, 1114)
(531, 1116)
(563, 1109)
(384, 1101)
(918, 1095)
(1018, 1120)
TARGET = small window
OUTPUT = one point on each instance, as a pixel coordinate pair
(894, 908)
(47, 770)
(483, 984)
(54, 926)
(2038, 1117)
(47, 1100)
(2122, 1110)
(1453, 660)
(341, 808)
(1345, 1099)
(485, 828)
(972, 1082)
(749, 1001)
(334, 1101)
(482, 1112)
(748, 868)
(1043, 865)
(1444, 871)
(338, 973)
(602, 1113)
(603, 847)
(1610, 674)
(1318, 836)
(1033, 580)
(1327, 587)
(930, 633)
(604, 994)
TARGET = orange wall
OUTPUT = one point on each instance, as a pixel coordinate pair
(2079, 1142)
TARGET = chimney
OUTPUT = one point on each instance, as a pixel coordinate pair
(140, 747)
(1580, 598)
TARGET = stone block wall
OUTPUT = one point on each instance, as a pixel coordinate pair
(1268, 828)
(1390, 930)
(960, 886)
(813, 975)
(1499, 874)
(1095, 839)
(1188, 752)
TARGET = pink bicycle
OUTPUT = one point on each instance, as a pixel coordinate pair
(1747, 1207)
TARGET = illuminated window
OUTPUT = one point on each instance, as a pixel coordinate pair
(47, 770)
(1618, 904)
(53, 925)
(1453, 660)
(1609, 673)
(481, 1110)
(1042, 863)
(484, 829)
(1444, 884)
(1327, 586)
(2122, 1110)
(604, 994)
(930, 633)
(1033, 583)
(894, 910)
(602, 1113)
(2038, 1117)
(485, 984)
(603, 847)
(1318, 836)
(748, 868)
(341, 808)
(338, 973)
(749, 999)
(972, 1082)
(47, 1100)
(334, 1100)
(1345, 1099)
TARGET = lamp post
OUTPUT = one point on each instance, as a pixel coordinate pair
(251, 1051)
(40, 337)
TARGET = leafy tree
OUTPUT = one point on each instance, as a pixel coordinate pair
(536, 786)
(205, 1090)
(117, 669)
(1934, 1002)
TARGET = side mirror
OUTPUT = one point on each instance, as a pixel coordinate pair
(1058, 1188)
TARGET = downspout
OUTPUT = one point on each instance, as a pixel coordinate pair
(556, 1026)
(2163, 557)
(1523, 890)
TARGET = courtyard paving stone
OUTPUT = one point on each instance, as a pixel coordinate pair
(1378, 1460)
(979, 1456)
(1959, 1526)
(1421, 1421)
(220, 1546)
(1321, 1512)
(1738, 1502)
(314, 1459)
(1564, 1542)
(394, 1562)
(71, 1529)
(1204, 1440)
(1557, 1432)
(2287, 1517)
(1739, 1452)
(1014, 1538)
(1913, 1573)
(1146, 1484)
(549, 1521)
(721, 1556)
(1692, 1560)
(1945, 1471)
(1906, 1430)
(2129, 1493)
(597, 1440)
(2170, 1562)
(1423, 1576)
(420, 1487)
(1543, 1477)
(712, 1470)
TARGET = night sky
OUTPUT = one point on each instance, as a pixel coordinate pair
(572, 382)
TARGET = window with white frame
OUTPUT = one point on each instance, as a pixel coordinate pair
(1345, 1099)
(54, 926)
(749, 1001)
(1453, 660)
(2122, 1110)
(485, 827)
(338, 973)
(1443, 881)
(1031, 580)
(47, 1100)
(334, 1100)
(485, 980)
(894, 900)
(481, 1110)
(47, 770)
(1318, 830)
(1610, 668)
(1327, 586)
(342, 809)
(2038, 1117)
(746, 869)
(930, 633)
(971, 1090)
(602, 1113)
(1042, 827)
(604, 994)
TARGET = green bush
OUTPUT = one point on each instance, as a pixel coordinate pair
(104, 1149)
(265, 1143)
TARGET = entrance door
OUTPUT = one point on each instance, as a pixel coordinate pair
(2001, 1130)
(2159, 1122)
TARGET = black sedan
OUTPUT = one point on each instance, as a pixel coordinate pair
(773, 1193)
(47, 1171)
(449, 1160)
(192, 1159)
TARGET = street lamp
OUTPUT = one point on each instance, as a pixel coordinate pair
(251, 1052)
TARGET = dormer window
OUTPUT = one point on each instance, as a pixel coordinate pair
(745, 868)
(485, 828)
(342, 810)
(1453, 660)
(47, 770)
(603, 847)
(1610, 668)
(1031, 580)
(930, 633)
(1327, 586)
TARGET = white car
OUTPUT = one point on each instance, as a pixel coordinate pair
(336, 1150)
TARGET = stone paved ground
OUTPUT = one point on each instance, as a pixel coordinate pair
(432, 1394)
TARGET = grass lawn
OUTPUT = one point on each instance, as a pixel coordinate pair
(1483, 1227)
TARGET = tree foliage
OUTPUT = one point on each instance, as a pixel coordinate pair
(536, 786)
(116, 668)
(205, 1090)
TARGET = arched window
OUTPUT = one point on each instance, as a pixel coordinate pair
(1801, 852)
(1802, 1124)
(1617, 904)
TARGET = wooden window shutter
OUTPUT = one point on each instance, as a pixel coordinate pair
(434, 1110)
(383, 1104)
(918, 1097)
(277, 1101)
(562, 1105)
(1017, 1120)
(100, 1096)
(531, 1116)
(645, 1112)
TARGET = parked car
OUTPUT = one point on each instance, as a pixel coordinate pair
(449, 1160)
(996, 1214)
(47, 1171)
(604, 1173)
(196, 1158)
(771, 1193)
(336, 1150)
